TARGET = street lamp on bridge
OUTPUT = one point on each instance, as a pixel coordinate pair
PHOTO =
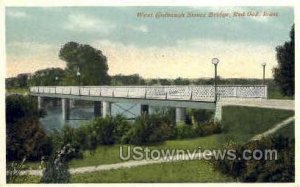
(264, 70)
(215, 62)
(78, 75)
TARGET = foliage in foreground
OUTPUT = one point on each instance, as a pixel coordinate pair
(13, 172)
(149, 129)
(281, 169)
(56, 169)
(24, 135)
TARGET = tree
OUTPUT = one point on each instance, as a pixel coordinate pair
(284, 72)
(47, 77)
(134, 79)
(18, 107)
(20, 81)
(90, 62)
(180, 81)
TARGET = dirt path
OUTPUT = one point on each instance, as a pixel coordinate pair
(261, 103)
(129, 164)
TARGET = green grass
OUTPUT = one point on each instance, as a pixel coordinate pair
(185, 171)
(17, 91)
(242, 123)
(26, 179)
(287, 131)
(276, 94)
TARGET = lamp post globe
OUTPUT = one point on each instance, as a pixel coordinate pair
(215, 61)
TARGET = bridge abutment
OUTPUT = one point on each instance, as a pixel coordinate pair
(106, 107)
(180, 115)
(218, 113)
(40, 103)
(65, 103)
(97, 108)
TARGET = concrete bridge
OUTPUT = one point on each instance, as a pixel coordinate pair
(179, 97)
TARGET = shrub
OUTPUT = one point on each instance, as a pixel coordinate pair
(200, 115)
(281, 169)
(99, 131)
(67, 135)
(19, 106)
(122, 126)
(149, 129)
(207, 128)
(27, 139)
(184, 131)
(103, 128)
(56, 170)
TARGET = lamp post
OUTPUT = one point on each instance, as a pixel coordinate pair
(78, 75)
(56, 80)
(264, 70)
(215, 62)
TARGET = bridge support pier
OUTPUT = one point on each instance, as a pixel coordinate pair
(180, 115)
(65, 103)
(72, 103)
(40, 103)
(97, 108)
(106, 107)
(218, 113)
(144, 109)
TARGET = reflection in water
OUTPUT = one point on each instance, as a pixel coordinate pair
(79, 115)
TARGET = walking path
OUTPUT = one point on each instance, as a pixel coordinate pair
(261, 103)
(274, 129)
(129, 164)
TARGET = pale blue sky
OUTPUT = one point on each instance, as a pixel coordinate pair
(34, 36)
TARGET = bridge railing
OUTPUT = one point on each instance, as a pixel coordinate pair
(195, 93)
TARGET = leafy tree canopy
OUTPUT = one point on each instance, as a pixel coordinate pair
(47, 77)
(90, 62)
(284, 72)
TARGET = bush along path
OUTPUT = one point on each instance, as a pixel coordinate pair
(174, 158)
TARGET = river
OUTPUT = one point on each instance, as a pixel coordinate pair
(79, 115)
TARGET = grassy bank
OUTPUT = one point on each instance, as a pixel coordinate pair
(16, 91)
(185, 171)
(239, 124)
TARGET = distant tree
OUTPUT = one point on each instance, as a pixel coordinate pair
(47, 77)
(20, 81)
(164, 82)
(90, 62)
(180, 81)
(153, 82)
(134, 79)
(284, 72)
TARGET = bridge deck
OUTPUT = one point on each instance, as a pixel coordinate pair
(175, 96)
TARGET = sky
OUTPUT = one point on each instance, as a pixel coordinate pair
(154, 47)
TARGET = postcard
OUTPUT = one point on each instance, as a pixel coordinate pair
(149, 94)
